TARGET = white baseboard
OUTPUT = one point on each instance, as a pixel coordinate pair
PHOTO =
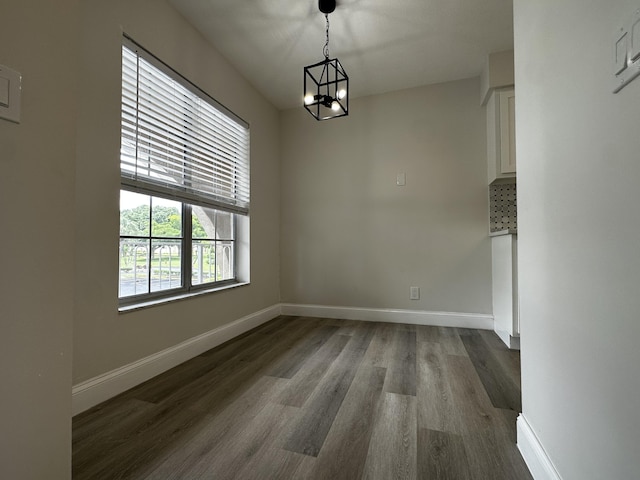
(533, 452)
(414, 317)
(512, 342)
(98, 389)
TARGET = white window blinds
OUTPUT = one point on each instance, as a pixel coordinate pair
(178, 142)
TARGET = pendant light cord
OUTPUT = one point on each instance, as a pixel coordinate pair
(325, 50)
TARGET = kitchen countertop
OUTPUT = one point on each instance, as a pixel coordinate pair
(506, 231)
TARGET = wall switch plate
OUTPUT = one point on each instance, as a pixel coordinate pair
(414, 293)
(401, 179)
(621, 49)
(626, 52)
(10, 92)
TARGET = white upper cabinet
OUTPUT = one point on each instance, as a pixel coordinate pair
(507, 131)
(497, 94)
(501, 134)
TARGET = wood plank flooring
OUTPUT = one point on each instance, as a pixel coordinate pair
(308, 398)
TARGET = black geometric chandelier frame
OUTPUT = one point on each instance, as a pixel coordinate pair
(326, 84)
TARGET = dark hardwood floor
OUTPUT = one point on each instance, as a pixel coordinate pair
(303, 398)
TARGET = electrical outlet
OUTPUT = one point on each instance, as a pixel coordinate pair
(414, 293)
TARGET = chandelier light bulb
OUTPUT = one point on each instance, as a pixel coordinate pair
(335, 106)
(308, 99)
(341, 94)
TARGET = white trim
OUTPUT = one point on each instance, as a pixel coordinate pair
(98, 389)
(510, 341)
(415, 317)
(539, 463)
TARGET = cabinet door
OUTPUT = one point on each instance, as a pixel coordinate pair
(502, 284)
(507, 131)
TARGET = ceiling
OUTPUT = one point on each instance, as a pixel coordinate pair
(383, 45)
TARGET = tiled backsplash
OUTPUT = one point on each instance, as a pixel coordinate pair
(503, 206)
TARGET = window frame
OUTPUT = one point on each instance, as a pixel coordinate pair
(186, 258)
(187, 202)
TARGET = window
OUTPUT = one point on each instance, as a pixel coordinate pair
(184, 163)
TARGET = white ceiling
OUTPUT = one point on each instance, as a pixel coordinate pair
(384, 45)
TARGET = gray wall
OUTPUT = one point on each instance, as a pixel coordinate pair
(351, 237)
(37, 162)
(579, 231)
(103, 339)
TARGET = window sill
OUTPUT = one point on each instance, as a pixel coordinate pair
(176, 298)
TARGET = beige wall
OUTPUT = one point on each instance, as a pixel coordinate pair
(104, 339)
(351, 237)
(37, 162)
(579, 232)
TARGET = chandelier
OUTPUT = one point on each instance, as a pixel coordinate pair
(326, 84)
